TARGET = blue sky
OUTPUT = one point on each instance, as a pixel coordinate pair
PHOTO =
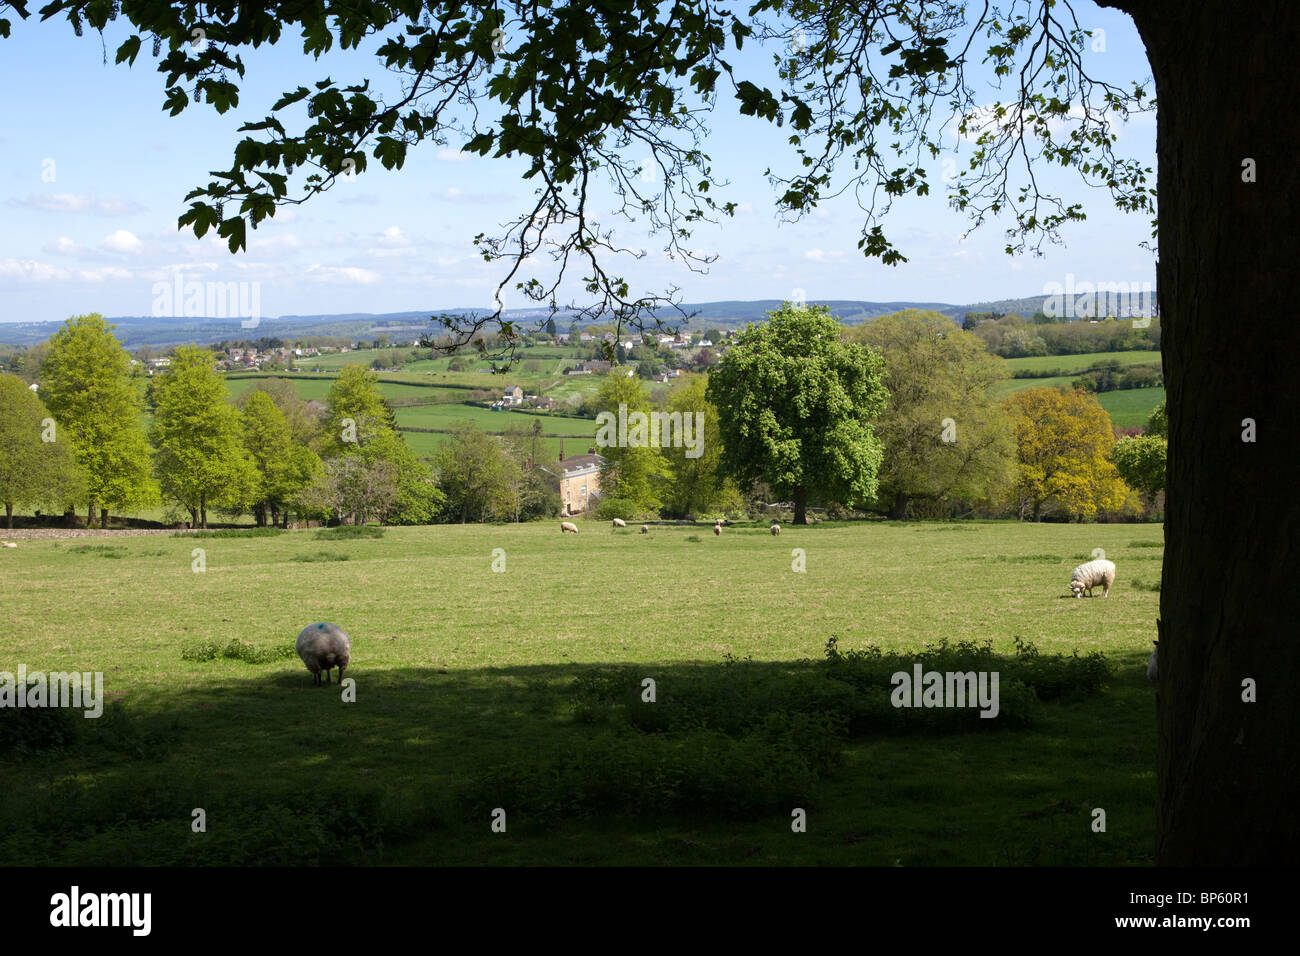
(94, 174)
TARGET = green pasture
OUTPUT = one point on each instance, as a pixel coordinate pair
(520, 688)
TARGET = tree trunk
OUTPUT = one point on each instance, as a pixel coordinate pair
(203, 512)
(1227, 770)
(800, 505)
(103, 518)
(90, 515)
(899, 511)
(9, 514)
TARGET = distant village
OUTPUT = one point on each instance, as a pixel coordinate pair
(660, 357)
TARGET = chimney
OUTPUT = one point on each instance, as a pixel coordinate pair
(561, 449)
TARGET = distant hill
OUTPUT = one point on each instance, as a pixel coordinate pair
(135, 331)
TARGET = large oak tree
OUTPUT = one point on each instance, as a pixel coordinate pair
(575, 87)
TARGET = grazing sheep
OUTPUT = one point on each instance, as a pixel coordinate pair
(717, 529)
(322, 646)
(1098, 573)
(645, 529)
(1153, 663)
(775, 529)
(11, 544)
(620, 523)
(567, 526)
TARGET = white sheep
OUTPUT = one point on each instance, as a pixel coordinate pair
(645, 529)
(322, 646)
(1099, 573)
(620, 523)
(717, 528)
(775, 529)
(567, 526)
(11, 544)
(1153, 663)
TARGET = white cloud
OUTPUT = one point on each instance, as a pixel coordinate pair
(78, 202)
(282, 243)
(343, 274)
(452, 156)
(28, 270)
(121, 241)
(824, 255)
(63, 246)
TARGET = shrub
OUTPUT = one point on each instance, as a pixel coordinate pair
(231, 533)
(611, 508)
(350, 531)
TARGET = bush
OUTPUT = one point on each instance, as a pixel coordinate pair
(350, 531)
(611, 508)
(28, 730)
(231, 533)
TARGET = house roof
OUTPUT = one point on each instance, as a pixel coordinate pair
(577, 465)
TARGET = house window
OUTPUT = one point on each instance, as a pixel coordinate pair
(584, 491)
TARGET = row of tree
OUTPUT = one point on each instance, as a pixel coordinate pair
(1012, 336)
(897, 415)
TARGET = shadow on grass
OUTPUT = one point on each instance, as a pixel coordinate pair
(588, 770)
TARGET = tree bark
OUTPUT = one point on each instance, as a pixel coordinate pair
(9, 514)
(1228, 771)
(103, 518)
(899, 511)
(203, 512)
(801, 505)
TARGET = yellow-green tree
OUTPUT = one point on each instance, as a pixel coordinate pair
(37, 465)
(945, 435)
(201, 458)
(694, 482)
(1063, 442)
(633, 466)
(86, 384)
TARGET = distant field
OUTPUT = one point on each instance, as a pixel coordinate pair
(426, 445)
(1079, 363)
(1010, 385)
(318, 388)
(1128, 408)
(474, 690)
(1131, 407)
(448, 416)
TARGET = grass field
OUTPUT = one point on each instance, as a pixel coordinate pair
(1080, 363)
(1127, 407)
(1131, 407)
(477, 690)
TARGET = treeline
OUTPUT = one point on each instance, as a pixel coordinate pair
(1013, 336)
(896, 416)
(79, 441)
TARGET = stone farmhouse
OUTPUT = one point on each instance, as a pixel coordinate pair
(579, 479)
